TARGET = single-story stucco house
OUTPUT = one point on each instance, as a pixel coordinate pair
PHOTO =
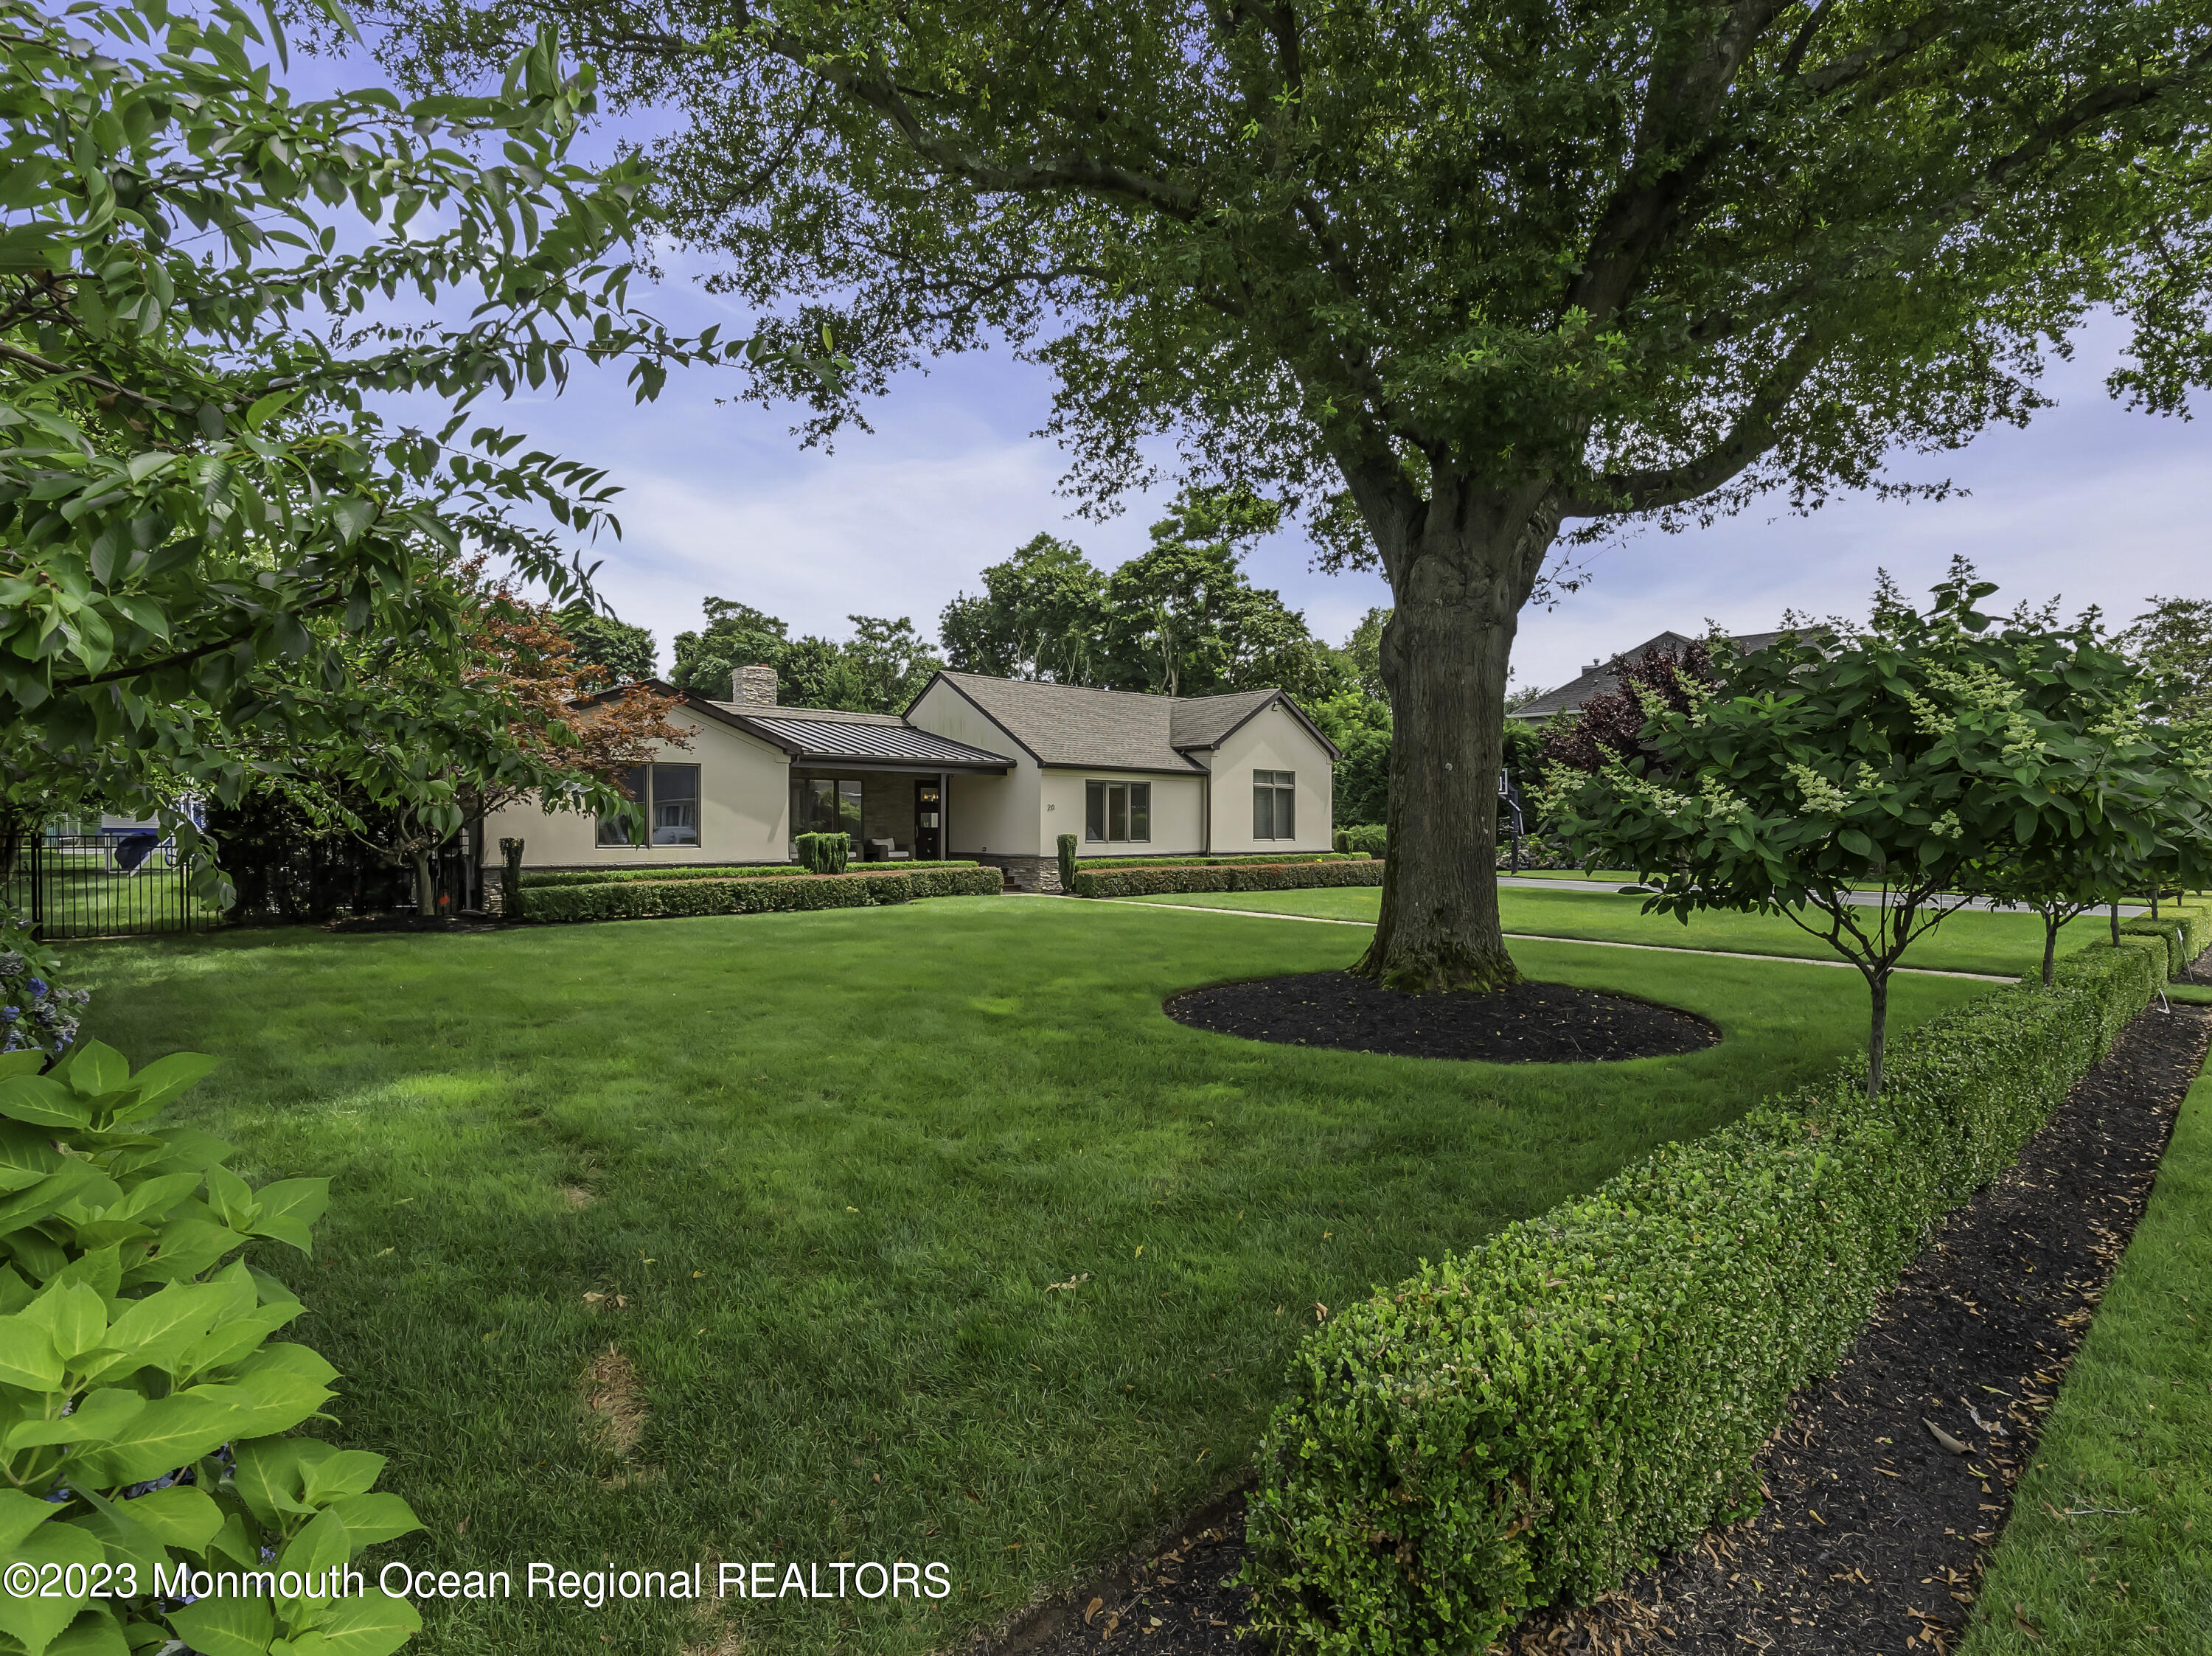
(992, 768)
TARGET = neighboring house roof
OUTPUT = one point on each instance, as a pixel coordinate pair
(1603, 678)
(1072, 726)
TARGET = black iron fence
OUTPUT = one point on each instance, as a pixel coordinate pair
(111, 884)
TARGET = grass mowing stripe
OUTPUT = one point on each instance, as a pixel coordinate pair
(2109, 1549)
(1583, 943)
(1969, 941)
(821, 1173)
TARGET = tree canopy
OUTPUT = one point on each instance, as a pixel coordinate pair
(1473, 277)
(1180, 618)
(215, 552)
(2172, 641)
(623, 654)
(879, 670)
(1864, 783)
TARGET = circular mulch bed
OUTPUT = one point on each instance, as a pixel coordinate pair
(1531, 1024)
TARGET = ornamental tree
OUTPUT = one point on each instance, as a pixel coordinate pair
(524, 718)
(203, 522)
(1860, 786)
(1479, 275)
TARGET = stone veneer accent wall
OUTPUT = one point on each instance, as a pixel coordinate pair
(1024, 873)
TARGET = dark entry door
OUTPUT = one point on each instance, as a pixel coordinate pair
(928, 821)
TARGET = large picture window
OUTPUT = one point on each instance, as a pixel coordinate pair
(1273, 813)
(667, 796)
(1117, 810)
(825, 804)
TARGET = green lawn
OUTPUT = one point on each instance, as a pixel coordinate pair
(824, 1168)
(2109, 1549)
(1966, 942)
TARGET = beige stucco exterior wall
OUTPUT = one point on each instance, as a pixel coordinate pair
(995, 814)
(745, 811)
(1271, 740)
(1178, 825)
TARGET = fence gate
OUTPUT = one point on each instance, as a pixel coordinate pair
(116, 884)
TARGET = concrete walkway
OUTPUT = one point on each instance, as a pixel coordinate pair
(1857, 898)
(1531, 937)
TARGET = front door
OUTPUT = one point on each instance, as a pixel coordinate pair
(928, 821)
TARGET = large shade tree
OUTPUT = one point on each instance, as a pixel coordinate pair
(1485, 274)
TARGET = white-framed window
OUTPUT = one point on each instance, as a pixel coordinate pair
(1117, 811)
(668, 800)
(1275, 812)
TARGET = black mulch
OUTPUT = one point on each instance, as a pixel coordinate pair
(1531, 1024)
(1975, 1340)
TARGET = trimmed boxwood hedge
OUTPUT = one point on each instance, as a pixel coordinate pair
(637, 899)
(1157, 877)
(1270, 857)
(723, 871)
(1528, 1422)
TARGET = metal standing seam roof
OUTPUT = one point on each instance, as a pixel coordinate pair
(852, 738)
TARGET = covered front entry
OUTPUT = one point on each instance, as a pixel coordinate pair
(888, 814)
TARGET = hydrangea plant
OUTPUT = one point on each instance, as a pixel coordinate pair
(154, 1494)
(37, 1014)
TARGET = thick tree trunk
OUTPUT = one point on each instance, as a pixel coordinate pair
(1460, 570)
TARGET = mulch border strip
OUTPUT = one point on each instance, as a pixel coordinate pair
(1906, 1589)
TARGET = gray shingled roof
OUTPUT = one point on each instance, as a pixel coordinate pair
(1603, 678)
(1072, 724)
(1200, 721)
(1113, 729)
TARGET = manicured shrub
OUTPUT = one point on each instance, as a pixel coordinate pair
(2183, 932)
(1147, 880)
(638, 900)
(1270, 857)
(723, 871)
(824, 853)
(1370, 837)
(151, 1410)
(1066, 846)
(1530, 1421)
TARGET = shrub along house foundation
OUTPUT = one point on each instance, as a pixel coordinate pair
(992, 769)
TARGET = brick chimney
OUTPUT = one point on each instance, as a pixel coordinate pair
(753, 686)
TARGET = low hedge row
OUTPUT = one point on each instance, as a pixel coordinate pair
(1530, 1420)
(1154, 879)
(638, 900)
(532, 882)
(1268, 857)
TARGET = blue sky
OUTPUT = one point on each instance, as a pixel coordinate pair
(2093, 502)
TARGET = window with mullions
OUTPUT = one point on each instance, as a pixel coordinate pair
(822, 805)
(667, 799)
(1274, 814)
(1117, 810)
